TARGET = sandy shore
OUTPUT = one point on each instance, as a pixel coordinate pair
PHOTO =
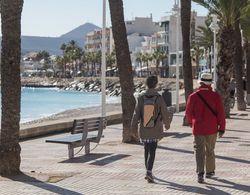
(76, 113)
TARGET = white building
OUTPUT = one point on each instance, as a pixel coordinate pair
(169, 32)
(144, 26)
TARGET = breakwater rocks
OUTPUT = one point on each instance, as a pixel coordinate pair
(93, 84)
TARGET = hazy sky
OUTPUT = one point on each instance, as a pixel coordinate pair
(56, 17)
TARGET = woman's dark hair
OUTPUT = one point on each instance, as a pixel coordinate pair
(151, 81)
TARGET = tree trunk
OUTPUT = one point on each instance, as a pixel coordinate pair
(125, 68)
(210, 60)
(224, 67)
(10, 87)
(147, 69)
(157, 67)
(197, 59)
(238, 66)
(248, 72)
(187, 66)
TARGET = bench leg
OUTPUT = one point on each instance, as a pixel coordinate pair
(71, 151)
(87, 147)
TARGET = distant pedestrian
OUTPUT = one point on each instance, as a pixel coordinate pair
(151, 112)
(232, 87)
(205, 114)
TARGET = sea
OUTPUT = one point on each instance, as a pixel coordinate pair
(38, 103)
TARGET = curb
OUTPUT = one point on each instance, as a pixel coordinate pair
(37, 130)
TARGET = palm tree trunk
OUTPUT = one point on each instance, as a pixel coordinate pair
(157, 67)
(10, 87)
(224, 67)
(248, 72)
(125, 68)
(238, 66)
(147, 69)
(141, 69)
(185, 28)
(197, 59)
(210, 60)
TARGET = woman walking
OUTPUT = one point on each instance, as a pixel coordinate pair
(151, 112)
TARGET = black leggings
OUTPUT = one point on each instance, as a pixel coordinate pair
(149, 154)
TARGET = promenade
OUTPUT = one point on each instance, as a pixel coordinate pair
(118, 168)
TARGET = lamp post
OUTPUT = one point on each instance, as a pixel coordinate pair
(214, 27)
(103, 68)
(176, 9)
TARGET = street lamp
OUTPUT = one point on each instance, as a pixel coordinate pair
(176, 9)
(214, 27)
(103, 76)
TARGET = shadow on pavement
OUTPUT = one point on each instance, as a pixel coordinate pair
(243, 119)
(230, 184)
(99, 159)
(217, 156)
(176, 134)
(43, 185)
(224, 141)
(194, 189)
(110, 159)
(238, 131)
(86, 158)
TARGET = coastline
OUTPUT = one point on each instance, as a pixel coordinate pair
(63, 121)
(72, 114)
(67, 116)
(93, 84)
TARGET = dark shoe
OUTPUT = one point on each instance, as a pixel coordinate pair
(200, 178)
(149, 178)
(210, 174)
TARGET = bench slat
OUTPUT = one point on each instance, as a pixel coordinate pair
(70, 139)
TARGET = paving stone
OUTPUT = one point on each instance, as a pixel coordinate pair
(118, 168)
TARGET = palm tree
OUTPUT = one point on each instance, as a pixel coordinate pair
(185, 28)
(110, 58)
(63, 48)
(158, 55)
(125, 68)
(144, 61)
(205, 40)
(45, 56)
(248, 70)
(238, 67)
(139, 60)
(196, 53)
(245, 25)
(147, 58)
(59, 63)
(10, 87)
(228, 12)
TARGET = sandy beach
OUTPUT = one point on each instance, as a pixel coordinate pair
(76, 113)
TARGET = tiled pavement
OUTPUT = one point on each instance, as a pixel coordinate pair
(117, 168)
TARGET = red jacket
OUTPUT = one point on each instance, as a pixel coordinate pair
(203, 121)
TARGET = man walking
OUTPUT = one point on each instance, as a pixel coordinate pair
(205, 114)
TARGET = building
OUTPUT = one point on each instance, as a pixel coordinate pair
(93, 41)
(144, 26)
(167, 36)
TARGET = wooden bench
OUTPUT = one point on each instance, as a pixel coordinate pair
(80, 136)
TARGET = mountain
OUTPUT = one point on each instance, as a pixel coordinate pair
(53, 44)
(79, 31)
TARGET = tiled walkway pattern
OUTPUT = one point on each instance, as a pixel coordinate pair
(117, 168)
